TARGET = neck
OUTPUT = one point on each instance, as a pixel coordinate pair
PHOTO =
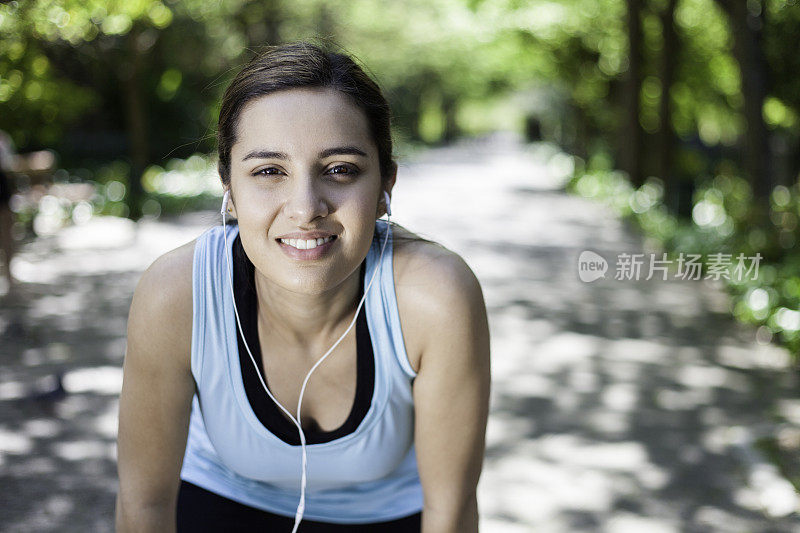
(307, 321)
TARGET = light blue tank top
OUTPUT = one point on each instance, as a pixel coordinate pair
(369, 475)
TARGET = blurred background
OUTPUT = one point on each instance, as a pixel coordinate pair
(640, 126)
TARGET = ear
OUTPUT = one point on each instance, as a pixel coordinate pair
(387, 186)
(231, 210)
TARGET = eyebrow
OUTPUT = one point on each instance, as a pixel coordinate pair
(338, 150)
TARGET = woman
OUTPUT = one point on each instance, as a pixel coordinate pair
(393, 419)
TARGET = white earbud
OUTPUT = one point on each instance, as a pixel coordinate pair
(388, 203)
(225, 200)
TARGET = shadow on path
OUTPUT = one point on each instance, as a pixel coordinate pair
(617, 406)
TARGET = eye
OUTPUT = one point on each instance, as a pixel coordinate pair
(265, 172)
(344, 170)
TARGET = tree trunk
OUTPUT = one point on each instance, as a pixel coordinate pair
(136, 123)
(274, 22)
(666, 133)
(754, 86)
(450, 109)
(326, 26)
(746, 28)
(794, 165)
(582, 131)
(631, 133)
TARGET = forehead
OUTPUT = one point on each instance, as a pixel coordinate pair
(300, 121)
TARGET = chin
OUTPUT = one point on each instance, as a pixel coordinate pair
(312, 283)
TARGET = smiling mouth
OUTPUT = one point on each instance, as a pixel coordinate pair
(306, 244)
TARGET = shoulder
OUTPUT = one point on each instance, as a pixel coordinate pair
(436, 274)
(436, 291)
(170, 275)
(160, 317)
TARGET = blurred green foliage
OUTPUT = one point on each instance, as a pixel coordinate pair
(447, 67)
(127, 93)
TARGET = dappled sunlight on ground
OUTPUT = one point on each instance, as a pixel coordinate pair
(617, 406)
(62, 344)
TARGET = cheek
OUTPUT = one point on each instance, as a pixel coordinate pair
(358, 205)
(256, 203)
(358, 217)
(364, 195)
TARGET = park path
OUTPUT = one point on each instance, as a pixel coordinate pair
(617, 406)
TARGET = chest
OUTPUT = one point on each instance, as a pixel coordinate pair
(330, 392)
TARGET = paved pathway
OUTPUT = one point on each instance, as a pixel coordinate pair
(617, 406)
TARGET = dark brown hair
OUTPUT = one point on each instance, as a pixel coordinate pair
(304, 64)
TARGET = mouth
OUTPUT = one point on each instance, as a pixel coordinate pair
(308, 249)
(307, 244)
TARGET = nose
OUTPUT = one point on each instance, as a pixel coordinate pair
(305, 202)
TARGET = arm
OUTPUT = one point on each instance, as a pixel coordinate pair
(451, 395)
(157, 391)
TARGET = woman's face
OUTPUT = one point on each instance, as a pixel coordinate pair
(304, 163)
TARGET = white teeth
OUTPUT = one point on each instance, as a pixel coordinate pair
(306, 244)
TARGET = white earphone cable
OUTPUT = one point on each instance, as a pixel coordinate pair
(302, 503)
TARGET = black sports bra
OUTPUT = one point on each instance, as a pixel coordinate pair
(270, 416)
